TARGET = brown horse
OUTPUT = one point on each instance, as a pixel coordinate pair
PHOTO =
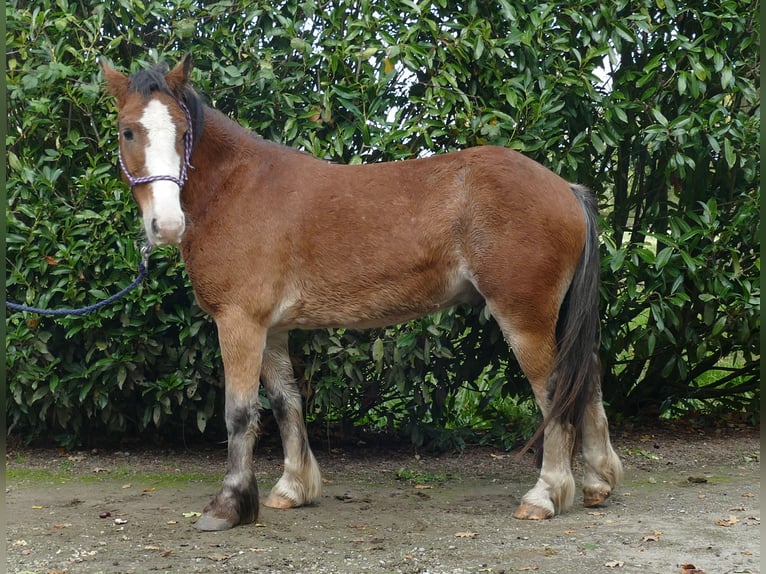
(274, 239)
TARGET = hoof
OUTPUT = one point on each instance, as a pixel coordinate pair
(208, 523)
(527, 511)
(228, 509)
(279, 502)
(595, 497)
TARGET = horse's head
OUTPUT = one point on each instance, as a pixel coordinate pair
(155, 144)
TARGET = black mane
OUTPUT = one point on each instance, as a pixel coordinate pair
(148, 81)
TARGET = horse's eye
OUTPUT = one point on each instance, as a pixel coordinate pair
(127, 134)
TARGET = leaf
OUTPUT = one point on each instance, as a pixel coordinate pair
(663, 257)
(700, 71)
(682, 83)
(719, 326)
(298, 44)
(201, 421)
(727, 78)
(728, 152)
(378, 350)
(466, 534)
(731, 521)
(219, 556)
(232, 71)
(661, 119)
(598, 143)
(657, 315)
(614, 564)
(654, 537)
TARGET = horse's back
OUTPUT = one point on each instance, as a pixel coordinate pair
(480, 186)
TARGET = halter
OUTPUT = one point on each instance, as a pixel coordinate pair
(179, 181)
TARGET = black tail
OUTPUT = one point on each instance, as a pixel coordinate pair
(576, 370)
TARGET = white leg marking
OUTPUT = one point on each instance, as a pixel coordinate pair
(554, 490)
(301, 482)
(603, 468)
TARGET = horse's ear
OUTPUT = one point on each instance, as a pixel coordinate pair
(179, 76)
(116, 83)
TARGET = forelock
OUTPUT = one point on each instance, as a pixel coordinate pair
(145, 82)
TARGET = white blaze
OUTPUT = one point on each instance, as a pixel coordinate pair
(164, 222)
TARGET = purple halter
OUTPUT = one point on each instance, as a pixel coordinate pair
(179, 181)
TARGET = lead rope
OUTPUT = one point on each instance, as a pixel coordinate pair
(142, 273)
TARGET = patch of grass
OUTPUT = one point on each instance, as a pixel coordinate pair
(642, 453)
(36, 476)
(417, 477)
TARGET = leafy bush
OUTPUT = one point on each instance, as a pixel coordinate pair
(652, 104)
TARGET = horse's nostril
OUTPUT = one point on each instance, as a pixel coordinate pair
(155, 227)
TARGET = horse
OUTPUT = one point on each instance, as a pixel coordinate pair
(274, 239)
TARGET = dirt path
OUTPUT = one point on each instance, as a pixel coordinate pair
(688, 498)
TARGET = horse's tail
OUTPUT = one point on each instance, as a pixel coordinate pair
(576, 370)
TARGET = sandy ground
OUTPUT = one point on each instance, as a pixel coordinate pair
(690, 497)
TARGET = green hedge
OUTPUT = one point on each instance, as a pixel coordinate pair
(654, 105)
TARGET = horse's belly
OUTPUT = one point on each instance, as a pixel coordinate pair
(363, 306)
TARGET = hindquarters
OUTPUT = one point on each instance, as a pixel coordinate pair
(575, 374)
(533, 252)
(540, 276)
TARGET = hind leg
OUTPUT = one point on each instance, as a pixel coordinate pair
(603, 468)
(554, 491)
(534, 347)
(301, 482)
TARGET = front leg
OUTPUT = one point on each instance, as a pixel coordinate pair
(301, 482)
(242, 344)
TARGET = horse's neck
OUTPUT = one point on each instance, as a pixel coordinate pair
(218, 149)
(222, 149)
(222, 137)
